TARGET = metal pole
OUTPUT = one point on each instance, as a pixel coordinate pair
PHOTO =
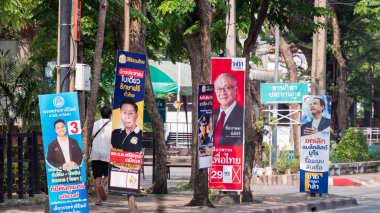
(231, 28)
(126, 25)
(275, 106)
(318, 67)
(64, 47)
(178, 99)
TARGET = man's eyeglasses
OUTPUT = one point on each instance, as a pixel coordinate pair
(225, 89)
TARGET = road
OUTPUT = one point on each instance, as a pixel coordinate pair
(368, 197)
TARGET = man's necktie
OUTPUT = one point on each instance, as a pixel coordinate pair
(219, 127)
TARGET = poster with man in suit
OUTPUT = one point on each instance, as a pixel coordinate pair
(315, 143)
(228, 77)
(63, 148)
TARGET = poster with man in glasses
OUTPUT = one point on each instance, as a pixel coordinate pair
(228, 122)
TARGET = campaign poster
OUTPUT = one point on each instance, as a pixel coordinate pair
(228, 77)
(315, 144)
(205, 145)
(127, 123)
(63, 148)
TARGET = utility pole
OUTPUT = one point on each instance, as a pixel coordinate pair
(126, 25)
(64, 45)
(275, 106)
(231, 28)
(131, 198)
(63, 54)
(318, 67)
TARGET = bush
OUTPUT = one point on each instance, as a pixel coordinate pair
(213, 194)
(375, 156)
(294, 165)
(352, 147)
(282, 163)
(266, 149)
(184, 186)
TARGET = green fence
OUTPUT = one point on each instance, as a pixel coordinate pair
(373, 149)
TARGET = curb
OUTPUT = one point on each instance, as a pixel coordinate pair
(333, 181)
(310, 206)
(36, 200)
(293, 179)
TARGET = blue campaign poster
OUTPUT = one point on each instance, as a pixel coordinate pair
(63, 150)
(205, 145)
(315, 144)
(126, 152)
(129, 83)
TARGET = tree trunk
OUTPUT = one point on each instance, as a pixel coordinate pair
(201, 74)
(138, 44)
(257, 107)
(251, 137)
(342, 76)
(292, 69)
(193, 50)
(132, 204)
(249, 144)
(90, 114)
(376, 103)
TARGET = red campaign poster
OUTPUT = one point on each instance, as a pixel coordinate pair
(228, 76)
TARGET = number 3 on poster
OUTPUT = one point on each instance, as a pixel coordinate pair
(74, 127)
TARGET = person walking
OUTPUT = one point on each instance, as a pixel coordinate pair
(100, 153)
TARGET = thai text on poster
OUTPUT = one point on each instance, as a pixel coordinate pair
(205, 145)
(126, 151)
(63, 148)
(315, 144)
(228, 75)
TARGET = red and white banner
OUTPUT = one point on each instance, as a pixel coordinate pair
(228, 76)
(129, 160)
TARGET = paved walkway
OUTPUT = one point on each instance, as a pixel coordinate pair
(279, 198)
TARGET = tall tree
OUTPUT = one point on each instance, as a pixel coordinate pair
(260, 8)
(138, 44)
(200, 76)
(342, 69)
(90, 113)
(186, 30)
(133, 43)
(369, 10)
(16, 18)
(282, 13)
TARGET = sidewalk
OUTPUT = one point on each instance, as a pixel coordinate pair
(176, 200)
(275, 198)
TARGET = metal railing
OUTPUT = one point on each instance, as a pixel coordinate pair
(178, 127)
(22, 152)
(372, 135)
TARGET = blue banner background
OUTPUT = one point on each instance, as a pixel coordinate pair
(204, 114)
(129, 61)
(316, 183)
(129, 83)
(62, 106)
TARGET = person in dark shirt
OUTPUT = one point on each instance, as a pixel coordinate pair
(129, 138)
(63, 152)
(65, 155)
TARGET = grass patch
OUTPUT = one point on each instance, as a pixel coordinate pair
(184, 186)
